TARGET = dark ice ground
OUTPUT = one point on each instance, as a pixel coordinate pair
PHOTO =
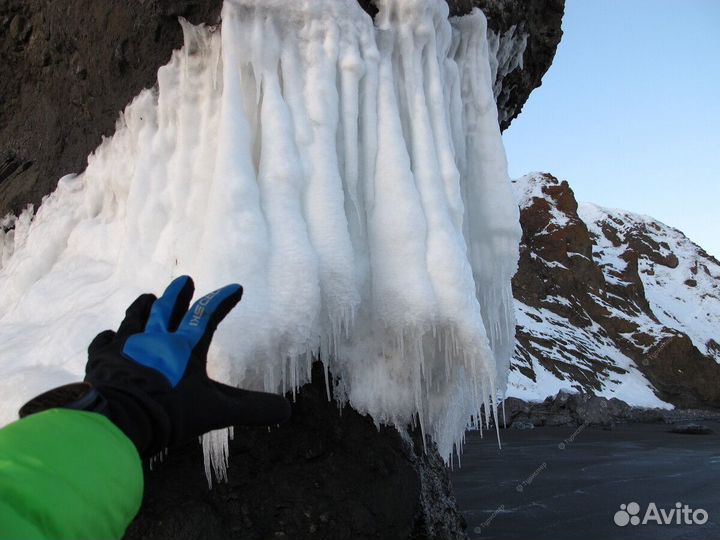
(533, 488)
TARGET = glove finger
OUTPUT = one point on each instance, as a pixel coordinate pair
(168, 310)
(96, 345)
(101, 340)
(136, 316)
(181, 304)
(240, 407)
(201, 321)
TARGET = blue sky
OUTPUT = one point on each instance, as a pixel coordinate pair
(629, 112)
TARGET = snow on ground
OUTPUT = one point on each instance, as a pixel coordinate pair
(351, 176)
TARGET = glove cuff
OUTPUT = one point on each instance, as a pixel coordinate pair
(131, 391)
(81, 396)
(142, 420)
(139, 417)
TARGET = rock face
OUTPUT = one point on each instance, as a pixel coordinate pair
(576, 409)
(69, 67)
(327, 473)
(539, 21)
(613, 303)
(583, 409)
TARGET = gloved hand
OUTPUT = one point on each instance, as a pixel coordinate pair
(151, 374)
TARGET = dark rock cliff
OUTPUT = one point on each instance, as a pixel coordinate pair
(73, 65)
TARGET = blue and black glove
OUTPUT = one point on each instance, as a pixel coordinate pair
(150, 376)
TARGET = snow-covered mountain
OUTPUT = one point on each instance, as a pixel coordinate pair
(611, 302)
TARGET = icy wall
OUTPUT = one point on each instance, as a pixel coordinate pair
(350, 175)
(506, 55)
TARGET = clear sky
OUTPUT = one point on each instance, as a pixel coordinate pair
(629, 112)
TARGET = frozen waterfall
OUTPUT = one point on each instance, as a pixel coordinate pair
(348, 172)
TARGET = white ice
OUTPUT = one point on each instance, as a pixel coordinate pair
(506, 54)
(349, 173)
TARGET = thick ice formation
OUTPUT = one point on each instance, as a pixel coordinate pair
(350, 175)
(506, 54)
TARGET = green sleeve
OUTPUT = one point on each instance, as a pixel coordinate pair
(67, 474)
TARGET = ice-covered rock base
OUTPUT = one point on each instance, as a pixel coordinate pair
(349, 174)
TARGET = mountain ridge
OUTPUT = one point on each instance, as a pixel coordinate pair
(603, 302)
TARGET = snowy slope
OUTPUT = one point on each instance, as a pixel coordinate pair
(603, 297)
(681, 281)
(563, 356)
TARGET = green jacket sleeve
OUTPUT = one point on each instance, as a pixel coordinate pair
(67, 474)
